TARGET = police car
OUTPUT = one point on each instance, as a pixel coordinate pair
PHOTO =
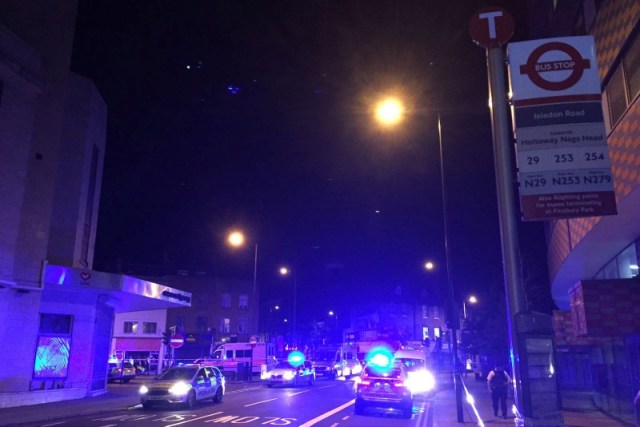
(185, 384)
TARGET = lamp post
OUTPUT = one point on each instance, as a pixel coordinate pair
(471, 300)
(286, 271)
(237, 239)
(334, 314)
(389, 112)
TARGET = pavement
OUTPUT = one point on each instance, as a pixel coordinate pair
(576, 413)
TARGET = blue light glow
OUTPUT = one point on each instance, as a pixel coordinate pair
(380, 359)
(295, 358)
(52, 357)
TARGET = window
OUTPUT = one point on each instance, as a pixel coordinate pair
(435, 312)
(54, 345)
(130, 327)
(632, 67)
(55, 324)
(628, 262)
(225, 302)
(624, 84)
(617, 96)
(88, 214)
(225, 325)
(243, 353)
(149, 327)
(243, 301)
(610, 271)
(201, 323)
(243, 326)
(425, 311)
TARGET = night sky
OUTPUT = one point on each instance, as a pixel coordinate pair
(256, 114)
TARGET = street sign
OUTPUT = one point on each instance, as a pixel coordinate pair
(491, 27)
(564, 169)
(549, 70)
(176, 341)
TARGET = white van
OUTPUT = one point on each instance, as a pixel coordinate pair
(421, 379)
(227, 356)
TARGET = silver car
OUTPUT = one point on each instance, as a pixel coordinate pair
(284, 373)
(185, 385)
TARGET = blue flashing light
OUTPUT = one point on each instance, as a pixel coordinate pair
(296, 358)
(380, 359)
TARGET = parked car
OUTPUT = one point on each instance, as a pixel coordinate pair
(184, 385)
(384, 386)
(288, 373)
(123, 372)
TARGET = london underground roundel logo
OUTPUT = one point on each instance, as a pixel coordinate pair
(570, 69)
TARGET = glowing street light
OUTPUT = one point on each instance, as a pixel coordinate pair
(389, 112)
(286, 271)
(471, 300)
(237, 239)
(429, 266)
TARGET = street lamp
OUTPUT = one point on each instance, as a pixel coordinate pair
(286, 271)
(332, 313)
(390, 112)
(471, 300)
(237, 239)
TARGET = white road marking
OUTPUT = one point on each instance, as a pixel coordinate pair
(262, 401)
(327, 414)
(326, 386)
(53, 424)
(194, 419)
(300, 392)
(242, 390)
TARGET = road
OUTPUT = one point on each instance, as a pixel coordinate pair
(326, 403)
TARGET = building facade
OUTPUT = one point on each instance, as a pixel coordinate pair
(138, 337)
(56, 312)
(593, 261)
(223, 310)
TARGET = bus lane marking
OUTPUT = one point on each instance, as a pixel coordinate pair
(194, 419)
(327, 414)
(262, 401)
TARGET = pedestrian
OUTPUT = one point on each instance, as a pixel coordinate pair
(498, 382)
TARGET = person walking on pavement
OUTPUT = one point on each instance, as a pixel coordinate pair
(498, 382)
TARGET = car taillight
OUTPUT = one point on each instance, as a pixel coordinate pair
(365, 382)
(399, 383)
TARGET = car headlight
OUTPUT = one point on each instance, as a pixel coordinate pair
(288, 375)
(180, 389)
(143, 389)
(265, 375)
(421, 381)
